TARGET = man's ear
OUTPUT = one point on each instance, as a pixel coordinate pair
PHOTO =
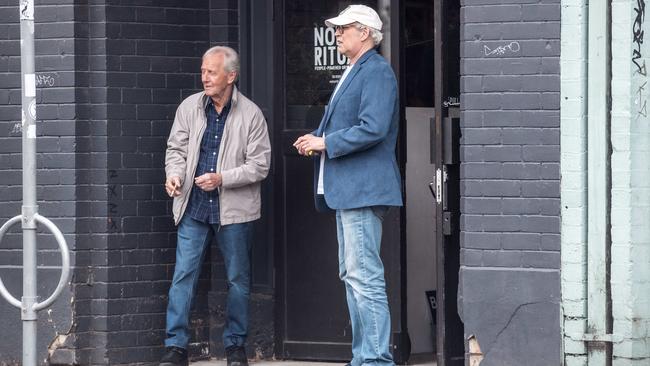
(232, 76)
(365, 34)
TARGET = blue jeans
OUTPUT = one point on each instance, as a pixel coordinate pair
(234, 241)
(362, 272)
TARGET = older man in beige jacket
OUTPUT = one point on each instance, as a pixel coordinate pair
(218, 153)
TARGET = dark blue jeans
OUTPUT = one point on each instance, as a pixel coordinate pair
(234, 241)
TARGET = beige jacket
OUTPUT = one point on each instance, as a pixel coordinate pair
(244, 156)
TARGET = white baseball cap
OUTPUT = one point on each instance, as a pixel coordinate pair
(356, 13)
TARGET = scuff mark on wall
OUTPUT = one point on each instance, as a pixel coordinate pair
(60, 351)
(475, 354)
(57, 342)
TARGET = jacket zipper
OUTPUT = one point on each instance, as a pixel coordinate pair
(201, 132)
(222, 148)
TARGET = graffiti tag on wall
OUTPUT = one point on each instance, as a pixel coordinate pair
(639, 75)
(512, 48)
(44, 80)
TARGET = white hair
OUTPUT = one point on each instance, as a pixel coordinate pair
(375, 34)
(231, 58)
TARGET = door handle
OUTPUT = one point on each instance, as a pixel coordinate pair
(451, 102)
(436, 187)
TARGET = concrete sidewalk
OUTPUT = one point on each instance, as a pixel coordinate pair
(290, 363)
(269, 363)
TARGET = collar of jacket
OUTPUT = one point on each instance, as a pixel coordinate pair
(366, 56)
(203, 99)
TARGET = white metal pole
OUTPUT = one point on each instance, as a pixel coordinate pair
(29, 209)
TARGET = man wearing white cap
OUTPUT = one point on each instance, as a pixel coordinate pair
(357, 175)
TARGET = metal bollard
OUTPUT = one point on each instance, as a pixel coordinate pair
(30, 218)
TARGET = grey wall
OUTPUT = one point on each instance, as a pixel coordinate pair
(509, 287)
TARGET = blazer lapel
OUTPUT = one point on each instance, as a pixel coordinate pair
(346, 83)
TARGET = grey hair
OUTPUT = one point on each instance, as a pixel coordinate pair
(231, 58)
(376, 35)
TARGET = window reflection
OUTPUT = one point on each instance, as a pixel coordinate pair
(418, 39)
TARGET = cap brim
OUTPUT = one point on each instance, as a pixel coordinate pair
(333, 22)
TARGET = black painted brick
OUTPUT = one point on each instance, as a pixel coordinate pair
(151, 80)
(113, 86)
(510, 132)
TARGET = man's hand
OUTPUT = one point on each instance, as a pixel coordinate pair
(208, 181)
(309, 144)
(173, 186)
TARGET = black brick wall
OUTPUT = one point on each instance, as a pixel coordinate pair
(113, 73)
(152, 60)
(55, 63)
(510, 179)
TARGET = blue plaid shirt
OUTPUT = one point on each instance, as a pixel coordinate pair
(204, 206)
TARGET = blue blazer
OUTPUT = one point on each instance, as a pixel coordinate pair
(360, 125)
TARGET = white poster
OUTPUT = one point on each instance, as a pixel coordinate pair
(326, 56)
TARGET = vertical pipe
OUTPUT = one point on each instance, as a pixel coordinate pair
(29, 208)
(573, 165)
(598, 179)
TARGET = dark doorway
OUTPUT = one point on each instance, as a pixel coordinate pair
(430, 46)
(311, 312)
(418, 137)
(311, 308)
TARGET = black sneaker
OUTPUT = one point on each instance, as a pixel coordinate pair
(175, 356)
(236, 356)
